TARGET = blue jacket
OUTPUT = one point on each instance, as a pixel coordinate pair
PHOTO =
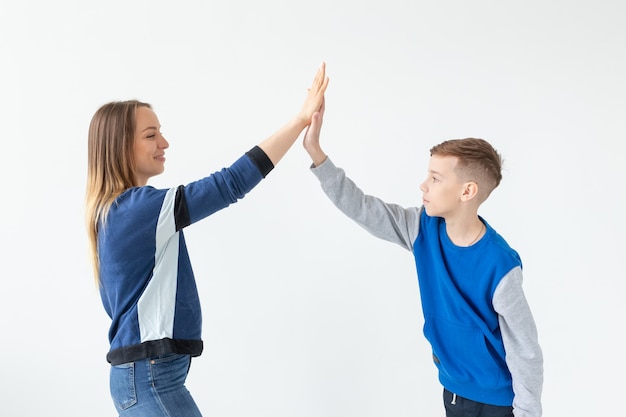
(147, 282)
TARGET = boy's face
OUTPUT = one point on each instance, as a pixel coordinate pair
(442, 189)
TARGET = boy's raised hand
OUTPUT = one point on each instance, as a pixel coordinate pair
(311, 140)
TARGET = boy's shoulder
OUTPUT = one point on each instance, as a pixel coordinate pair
(498, 246)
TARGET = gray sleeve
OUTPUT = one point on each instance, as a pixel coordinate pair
(524, 357)
(390, 222)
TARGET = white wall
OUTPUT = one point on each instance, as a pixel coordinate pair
(304, 313)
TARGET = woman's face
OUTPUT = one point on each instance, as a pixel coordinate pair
(149, 145)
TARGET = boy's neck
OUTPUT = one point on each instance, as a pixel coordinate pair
(465, 230)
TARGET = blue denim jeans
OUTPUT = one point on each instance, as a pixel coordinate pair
(153, 387)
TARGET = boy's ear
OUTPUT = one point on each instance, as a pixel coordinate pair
(470, 190)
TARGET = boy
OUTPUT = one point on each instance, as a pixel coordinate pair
(476, 317)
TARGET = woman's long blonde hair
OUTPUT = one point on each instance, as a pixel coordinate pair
(110, 165)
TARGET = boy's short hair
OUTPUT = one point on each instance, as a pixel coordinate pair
(478, 161)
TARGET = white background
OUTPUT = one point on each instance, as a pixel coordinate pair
(305, 314)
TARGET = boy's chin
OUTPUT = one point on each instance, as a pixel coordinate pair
(431, 212)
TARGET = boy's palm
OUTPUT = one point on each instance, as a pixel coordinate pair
(312, 134)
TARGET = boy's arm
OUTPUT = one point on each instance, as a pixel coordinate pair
(524, 357)
(386, 221)
(390, 222)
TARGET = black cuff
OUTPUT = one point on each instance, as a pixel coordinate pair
(261, 160)
(181, 212)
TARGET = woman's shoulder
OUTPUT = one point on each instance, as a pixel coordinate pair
(140, 197)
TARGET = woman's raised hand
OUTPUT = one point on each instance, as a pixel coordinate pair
(315, 95)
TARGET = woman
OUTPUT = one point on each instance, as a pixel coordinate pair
(139, 254)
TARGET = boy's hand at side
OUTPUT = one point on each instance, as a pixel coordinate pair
(311, 140)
